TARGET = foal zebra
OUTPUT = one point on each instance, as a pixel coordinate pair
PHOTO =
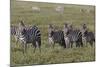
(56, 36)
(72, 36)
(29, 35)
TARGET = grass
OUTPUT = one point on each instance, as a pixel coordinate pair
(50, 55)
(46, 16)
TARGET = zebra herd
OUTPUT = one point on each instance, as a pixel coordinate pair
(65, 37)
(70, 35)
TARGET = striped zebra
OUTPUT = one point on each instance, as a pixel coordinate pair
(56, 36)
(28, 35)
(65, 30)
(72, 35)
(13, 32)
(87, 36)
(50, 39)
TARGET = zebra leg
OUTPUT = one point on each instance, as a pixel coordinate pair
(81, 44)
(63, 44)
(67, 42)
(34, 45)
(77, 44)
(84, 41)
(91, 43)
(49, 41)
(71, 44)
(17, 40)
(34, 48)
(38, 44)
(53, 44)
(22, 46)
(25, 47)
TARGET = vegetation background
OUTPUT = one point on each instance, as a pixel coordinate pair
(47, 15)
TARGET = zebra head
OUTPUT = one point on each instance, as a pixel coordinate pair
(13, 29)
(21, 30)
(84, 30)
(50, 30)
(65, 29)
(70, 27)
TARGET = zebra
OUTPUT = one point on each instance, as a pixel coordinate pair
(29, 35)
(56, 36)
(13, 31)
(65, 30)
(50, 39)
(72, 35)
(87, 36)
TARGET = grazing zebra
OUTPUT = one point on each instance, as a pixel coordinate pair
(56, 36)
(72, 36)
(87, 36)
(29, 35)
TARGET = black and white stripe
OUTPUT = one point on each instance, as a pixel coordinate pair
(56, 36)
(75, 36)
(13, 30)
(87, 36)
(72, 35)
(30, 35)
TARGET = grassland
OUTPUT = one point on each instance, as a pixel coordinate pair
(46, 16)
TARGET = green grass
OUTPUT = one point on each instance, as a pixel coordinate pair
(46, 16)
